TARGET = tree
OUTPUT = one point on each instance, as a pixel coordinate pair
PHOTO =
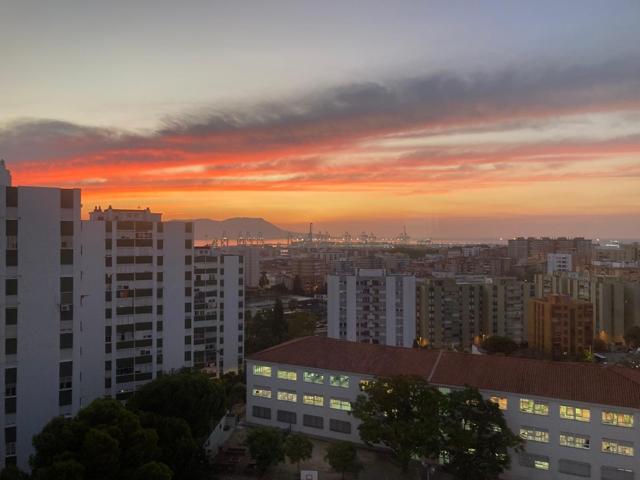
(264, 281)
(476, 436)
(297, 448)
(632, 337)
(266, 447)
(343, 458)
(104, 441)
(279, 325)
(631, 360)
(11, 472)
(600, 346)
(497, 344)
(301, 324)
(192, 396)
(153, 471)
(398, 412)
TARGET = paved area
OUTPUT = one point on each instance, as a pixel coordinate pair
(377, 465)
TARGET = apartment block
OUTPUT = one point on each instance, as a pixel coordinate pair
(578, 420)
(448, 312)
(560, 326)
(372, 306)
(505, 303)
(41, 272)
(616, 301)
(521, 249)
(559, 262)
(218, 328)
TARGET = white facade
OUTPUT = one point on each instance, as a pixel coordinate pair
(40, 238)
(219, 310)
(565, 439)
(559, 262)
(372, 306)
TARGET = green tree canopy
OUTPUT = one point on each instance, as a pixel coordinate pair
(104, 441)
(298, 447)
(266, 447)
(343, 458)
(11, 472)
(476, 436)
(400, 413)
(301, 324)
(497, 344)
(153, 471)
(191, 396)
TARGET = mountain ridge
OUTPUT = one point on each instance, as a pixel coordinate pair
(238, 226)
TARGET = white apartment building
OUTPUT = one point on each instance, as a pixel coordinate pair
(372, 306)
(218, 328)
(559, 262)
(40, 236)
(578, 420)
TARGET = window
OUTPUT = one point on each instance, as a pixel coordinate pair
(578, 469)
(11, 258)
(615, 473)
(11, 316)
(617, 447)
(313, 377)
(287, 396)
(338, 404)
(531, 406)
(539, 462)
(534, 435)
(11, 346)
(66, 228)
(339, 426)
(313, 421)
(500, 401)
(11, 196)
(311, 399)
(261, 412)
(262, 370)
(287, 375)
(66, 198)
(363, 384)
(11, 286)
(286, 416)
(574, 440)
(341, 381)
(575, 413)
(264, 392)
(617, 419)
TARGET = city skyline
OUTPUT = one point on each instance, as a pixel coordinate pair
(477, 122)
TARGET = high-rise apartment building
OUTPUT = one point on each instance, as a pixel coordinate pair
(372, 306)
(616, 301)
(147, 270)
(521, 249)
(559, 262)
(448, 312)
(218, 329)
(41, 273)
(505, 307)
(560, 326)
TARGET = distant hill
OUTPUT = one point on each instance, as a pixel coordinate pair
(233, 227)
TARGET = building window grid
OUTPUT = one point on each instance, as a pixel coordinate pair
(262, 370)
(313, 377)
(617, 419)
(575, 441)
(531, 406)
(341, 381)
(578, 414)
(502, 402)
(262, 392)
(340, 404)
(287, 396)
(312, 399)
(617, 447)
(534, 435)
(287, 375)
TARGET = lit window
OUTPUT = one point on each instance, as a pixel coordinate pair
(541, 464)
(263, 392)
(529, 433)
(287, 375)
(310, 399)
(500, 401)
(618, 419)
(262, 370)
(287, 396)
(444, 390)
(313, 377)
(531, 406)
(339, 381)
(338, 404)
(617, 447)
(575, 413)
(574, 441)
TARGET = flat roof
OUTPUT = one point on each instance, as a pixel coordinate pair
(580, 382)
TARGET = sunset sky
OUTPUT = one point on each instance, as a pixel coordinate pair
(457, 119)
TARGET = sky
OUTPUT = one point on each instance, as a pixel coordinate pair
(455, 119)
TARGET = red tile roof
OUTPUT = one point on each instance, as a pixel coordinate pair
(580, 382)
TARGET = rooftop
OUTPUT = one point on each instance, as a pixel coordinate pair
(581, 382)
